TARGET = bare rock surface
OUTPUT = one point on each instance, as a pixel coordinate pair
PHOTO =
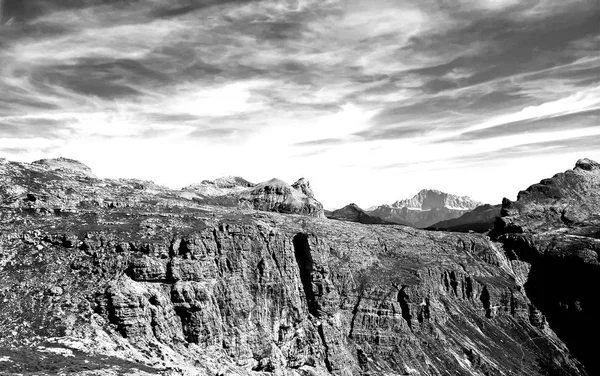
(427, 207)
(553, 229)
(66, 164)
(278, 196)
(220, 187)
(157, 283)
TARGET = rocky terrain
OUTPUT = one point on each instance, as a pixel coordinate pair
(427, 207)
(224, 186)
(481, 219)
(553, 230)
(353, 213)
(273, 195)
(124, 277)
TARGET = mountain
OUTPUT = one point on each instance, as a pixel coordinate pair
(427, 207)
(65, 164)
(552, 235)
(276, 195)
(106, 277)
(353, 213)
(220, 187)
(481, 219)
(273, 195)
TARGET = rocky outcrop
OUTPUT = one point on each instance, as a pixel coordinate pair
(425, 208)
(176, 286)
(481, 219)
(278, 196)
(65, 164)
(553, 229)
(353, 213)
(220, 187)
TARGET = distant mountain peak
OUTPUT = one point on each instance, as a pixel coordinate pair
(428, 199)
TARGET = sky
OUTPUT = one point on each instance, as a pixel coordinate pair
(371, 101)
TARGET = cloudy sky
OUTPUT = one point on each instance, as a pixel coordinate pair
(369, 100)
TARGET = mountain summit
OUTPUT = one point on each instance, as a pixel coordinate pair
(427, 207)
(429, 199)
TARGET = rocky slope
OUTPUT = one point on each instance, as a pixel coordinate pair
(553, 231)
(278, 196)
(224, 186)
(425, 208)
(125, 277)
(353, 213)
(273, 195)
(481, 219)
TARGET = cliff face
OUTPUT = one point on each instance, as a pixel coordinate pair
(425, 208)
(171, 285)
(553, 229)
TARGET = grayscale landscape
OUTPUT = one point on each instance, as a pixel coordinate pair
(299, 187)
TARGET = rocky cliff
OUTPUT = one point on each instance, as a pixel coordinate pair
(125, 277)
(425, 208)
(278, 196)
(553, 230)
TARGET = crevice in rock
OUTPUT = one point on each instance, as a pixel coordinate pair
(404, 300)
(424, 312)
(469, 288)
(326, 360)
(485, 299)
(354, 314)
(454, 283)
(305, 264)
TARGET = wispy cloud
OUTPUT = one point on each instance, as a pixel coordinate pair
(303, 84)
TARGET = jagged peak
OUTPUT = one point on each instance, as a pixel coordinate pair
(587, 164)
(428, 199)
(303, 186)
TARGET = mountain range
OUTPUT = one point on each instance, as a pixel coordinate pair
(124, 276)
(426, 208)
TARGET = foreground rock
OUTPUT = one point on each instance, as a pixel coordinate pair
(353, 213)
(174, 286)
(425, 208)
(481, 219)
(553, 232)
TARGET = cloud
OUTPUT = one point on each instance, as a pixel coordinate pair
(303, 84)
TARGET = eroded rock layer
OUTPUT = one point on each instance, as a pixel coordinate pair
(554, 230)
(170, 285)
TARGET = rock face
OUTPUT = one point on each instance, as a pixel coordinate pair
(353, 213)
(553, 231)
(278, 196)
(481, 219)
(176, 286)
(425, 208)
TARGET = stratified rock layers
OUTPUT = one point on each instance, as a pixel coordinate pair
(213, 290)
(553, 229)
